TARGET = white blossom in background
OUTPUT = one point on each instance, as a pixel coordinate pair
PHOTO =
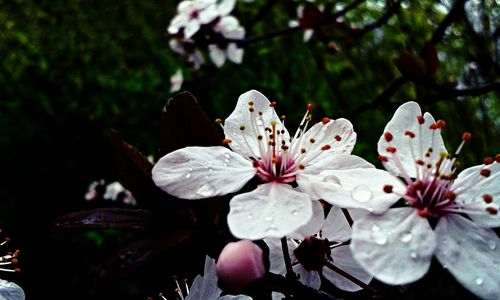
(191, 14)
(230, 28)
(308, 33)
(446, 214)
(100, 190)
(318, 160)
(214, 19)
(336, 230)
(176, 81)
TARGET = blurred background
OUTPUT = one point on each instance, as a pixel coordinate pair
(72, 70)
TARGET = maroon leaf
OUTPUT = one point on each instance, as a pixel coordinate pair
(144, 251)
(185, 124)
(431, 59)
(411, 66)
(134, 170)
(106, 218)
(311, 17)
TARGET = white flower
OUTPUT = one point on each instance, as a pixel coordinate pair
(205, 287)
(229, 28)
(397, 246)
(188, 49)
(317, 160)
(191, 14)
(10, 291)
(334, 231)
(176, 81)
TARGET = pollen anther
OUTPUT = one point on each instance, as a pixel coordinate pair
(485, 172)
(388, 136)
(487, 198)
(325, 147)
(388, 188)
(488, 160)
(409, 134)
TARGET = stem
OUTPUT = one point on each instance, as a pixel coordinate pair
(288, 263)
(347, 216)
(351, 278)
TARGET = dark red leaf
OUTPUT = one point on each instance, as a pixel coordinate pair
(311, 17)
(411, 66)
(185, 124)
(431, 59)
(144, 251)
(106, 218)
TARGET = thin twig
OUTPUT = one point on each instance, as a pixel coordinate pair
(288, 263)
(351, 278)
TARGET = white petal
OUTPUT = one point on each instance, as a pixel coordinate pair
(245, 141)
(237, 33)
(276, 260)
(344, 188)
(202, 172)
(405, 119)
(205, 287)
(217, 55)
(470, 187)
(310, 279)
(10, 291)
(234, 53)
(471, 253)
(176, 81)
(272, 210)
(293, 23)
(176, 46)
(191, 28)
(336, 162)
(185, 7)
(308, 33)
(225, 7)
(276, 295)
(314, 225)
(336, 228)
(234, 297)
(177, 22)
(396, 247)
(342, 258)
(227, 23)
(327, 134)
(208, 14)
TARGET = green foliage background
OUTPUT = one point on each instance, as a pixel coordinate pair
(70, 70)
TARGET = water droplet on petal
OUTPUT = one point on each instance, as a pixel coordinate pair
(188, 175)
(492, 244)
(361, 193)
(332, 179)
(227, 155)
(259, 122)
(375, 227)
(405, 237)
(379, 238)
(414, 255)
(479, 281)
(294, 212)
(250, 217)
(268, 219)
(206, 190)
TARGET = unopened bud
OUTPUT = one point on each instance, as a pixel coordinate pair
(240, 264)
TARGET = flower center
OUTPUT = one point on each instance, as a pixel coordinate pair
(432, 197)
(313, 252)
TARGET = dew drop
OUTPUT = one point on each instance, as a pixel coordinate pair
(250, 217)
(379, 238)
(361, 193)
(268, 219)
(332, 179)
(227, 155)
(188, 175)
(259, 122)
(413, 254)
(375, 227)
(492, 245)
(295, 213)
(478, 281)
(405, 237)
(206, 190)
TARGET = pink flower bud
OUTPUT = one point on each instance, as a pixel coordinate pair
(239, 264)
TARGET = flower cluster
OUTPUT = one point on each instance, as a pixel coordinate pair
(206, 23)
(102, 191)
(337, 216)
